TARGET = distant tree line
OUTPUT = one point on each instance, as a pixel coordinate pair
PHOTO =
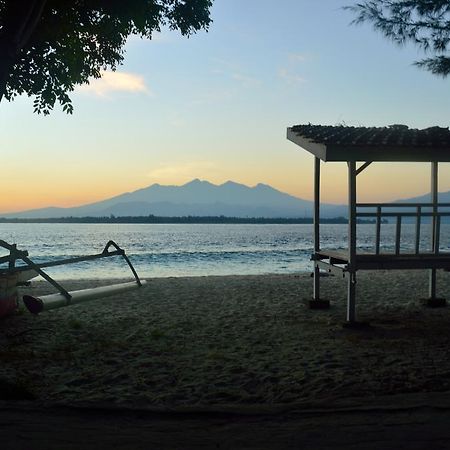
(181, 220)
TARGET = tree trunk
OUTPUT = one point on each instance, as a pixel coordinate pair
(20, 20)
(8, 56)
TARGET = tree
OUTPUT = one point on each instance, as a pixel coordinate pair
(47, 47)
(425, 23)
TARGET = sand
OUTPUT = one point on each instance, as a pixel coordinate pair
(232, 343)
(230, 363)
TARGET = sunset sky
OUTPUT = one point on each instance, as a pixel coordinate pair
(216, 107)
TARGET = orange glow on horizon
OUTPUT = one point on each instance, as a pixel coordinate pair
(379, 182)
(22, 198)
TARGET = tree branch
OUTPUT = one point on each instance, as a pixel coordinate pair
(20, 22)
(30, 23)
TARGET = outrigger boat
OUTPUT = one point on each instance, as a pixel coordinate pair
(14, 275)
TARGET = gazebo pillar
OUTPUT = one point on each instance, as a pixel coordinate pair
(317, 302)
(351, 286)
(432, 299)
(316, 290)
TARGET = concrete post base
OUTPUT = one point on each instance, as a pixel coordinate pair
(319, 304)
(354, 325)
(435, 302)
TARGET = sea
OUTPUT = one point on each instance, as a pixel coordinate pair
(175, 250)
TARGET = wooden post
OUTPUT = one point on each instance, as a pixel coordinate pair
(351, 291)
(418, 222)
(378, 231)
(316, 292)
(13, 255)
(434, 201)
(398, 234)
(317, 302)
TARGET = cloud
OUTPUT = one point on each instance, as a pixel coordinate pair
(223, 65)
(162, 37)
(289, 73)
(179, 173)
(116, 82)
(176, 120)
(235, 72)
(296, 57)
(213, 96)
(290, 77)
(246, 80)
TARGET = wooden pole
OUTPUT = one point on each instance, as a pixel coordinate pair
(434, 201)
(316, 287)
(398, 234)
(378, 231)
(418, 223)
(351, 300)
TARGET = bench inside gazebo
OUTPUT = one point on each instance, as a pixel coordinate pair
(359, 147)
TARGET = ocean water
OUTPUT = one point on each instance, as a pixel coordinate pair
(158, 250)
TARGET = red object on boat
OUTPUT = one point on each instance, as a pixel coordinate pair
(8, 294)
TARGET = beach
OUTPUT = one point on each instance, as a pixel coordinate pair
(234, 344)
(216, 341)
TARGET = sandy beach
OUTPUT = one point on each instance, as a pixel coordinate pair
(229, 344)
(216, 341)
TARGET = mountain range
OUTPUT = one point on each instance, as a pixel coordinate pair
(201, 198)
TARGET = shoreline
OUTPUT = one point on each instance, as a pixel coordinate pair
(90, 280)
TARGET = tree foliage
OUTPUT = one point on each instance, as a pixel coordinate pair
(47, 47)
(426, 23)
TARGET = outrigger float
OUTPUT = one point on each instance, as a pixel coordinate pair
(14, 275)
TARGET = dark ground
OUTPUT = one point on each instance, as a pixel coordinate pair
(408, 421)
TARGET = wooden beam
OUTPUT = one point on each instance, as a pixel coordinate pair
(364, 166)
(318, 150)
(384, 153)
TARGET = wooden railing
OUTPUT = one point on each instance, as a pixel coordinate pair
(431, 210)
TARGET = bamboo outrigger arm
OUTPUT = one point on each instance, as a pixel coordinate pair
(64, 297)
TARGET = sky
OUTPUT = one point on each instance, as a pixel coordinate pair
(216, 107)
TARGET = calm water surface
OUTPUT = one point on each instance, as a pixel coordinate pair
(159, 250)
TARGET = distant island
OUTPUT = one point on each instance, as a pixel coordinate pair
(151, 219)
(199, 202)
(194, 199)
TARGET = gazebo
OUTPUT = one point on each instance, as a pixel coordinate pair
(353, 145)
